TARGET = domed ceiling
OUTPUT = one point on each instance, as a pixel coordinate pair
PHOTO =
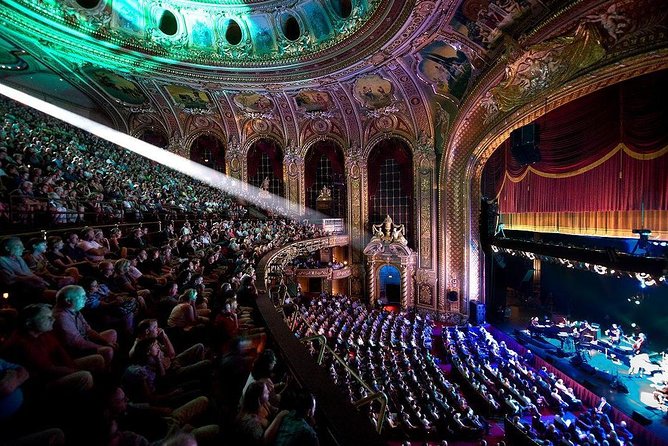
(292, 69)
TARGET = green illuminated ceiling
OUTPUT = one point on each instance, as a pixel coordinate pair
(230, 38)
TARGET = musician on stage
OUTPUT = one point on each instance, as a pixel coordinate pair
(639, 344)
(661, 393)
(615, 334)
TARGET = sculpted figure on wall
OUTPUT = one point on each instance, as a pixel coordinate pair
(387, 231)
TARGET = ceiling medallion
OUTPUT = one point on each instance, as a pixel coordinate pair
(321, 126)
(261, 126)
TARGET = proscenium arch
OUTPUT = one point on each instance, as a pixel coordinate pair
(402, 154)
(337, 182)
(460, 257)
(255, 174)
(216, 158)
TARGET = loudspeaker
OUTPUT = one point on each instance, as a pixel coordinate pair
(476, 313)
(524, 144)
(619, 386)
(640, 418)
(452, 296)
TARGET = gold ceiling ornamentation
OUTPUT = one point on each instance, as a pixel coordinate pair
(547, 64)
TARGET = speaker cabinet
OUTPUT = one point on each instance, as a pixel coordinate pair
(640, 418)
(524, 143)
(476, 313)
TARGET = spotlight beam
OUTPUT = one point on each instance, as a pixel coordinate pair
(225, 183)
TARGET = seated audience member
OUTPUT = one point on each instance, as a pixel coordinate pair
(190, 363)
(124, 282)
(60, 261)
(252, 426)
(34, 345)
(135, 240)
(296, 427)
(623, 433)
(158, 423)
(184, 316)
(263, 370)
(40, 265)
(71, 327)
(144, 378)
(108, 310)
(16, 276)
(12, 377)
(72, 250)
(603, 407)
(114, 242)
(92, 249)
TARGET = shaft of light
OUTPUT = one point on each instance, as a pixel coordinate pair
(231, 186)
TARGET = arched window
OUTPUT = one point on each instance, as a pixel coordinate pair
(324, 167)
(209, 151)
(390, 168)
(265, 166)
(154, 137)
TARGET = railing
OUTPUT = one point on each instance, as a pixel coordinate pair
(45, 212)
(342, 421)
(325, 273)
(277, 262)
(381, 397)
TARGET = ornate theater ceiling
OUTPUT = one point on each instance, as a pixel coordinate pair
(450, 78)
(162, 62)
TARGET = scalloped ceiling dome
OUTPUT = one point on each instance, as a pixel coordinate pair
(290, 40)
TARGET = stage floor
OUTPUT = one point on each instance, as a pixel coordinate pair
(599, 376)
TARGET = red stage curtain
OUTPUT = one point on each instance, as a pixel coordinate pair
(607, 151)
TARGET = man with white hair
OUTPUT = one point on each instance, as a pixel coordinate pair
(79, 338)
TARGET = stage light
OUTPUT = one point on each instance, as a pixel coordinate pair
(633, 325)
(642, 284)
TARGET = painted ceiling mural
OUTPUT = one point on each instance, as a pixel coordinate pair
(116, 86)
(446, 68)
(301, 65)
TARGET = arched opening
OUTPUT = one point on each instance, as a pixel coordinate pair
(389, 285)
(342, 8)
(233, 33)
(602, 174)
(88, 4)
(168, 23)
(390, 167)
(154, 137)
(265, 166)
(325, 174)
(209, 151)
(291, 29)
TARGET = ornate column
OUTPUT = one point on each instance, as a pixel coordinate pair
(357, 189)
(177, 144)
(293, 177)
(425, 240)
(234, 159)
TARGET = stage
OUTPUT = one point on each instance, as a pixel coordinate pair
(598, 371)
